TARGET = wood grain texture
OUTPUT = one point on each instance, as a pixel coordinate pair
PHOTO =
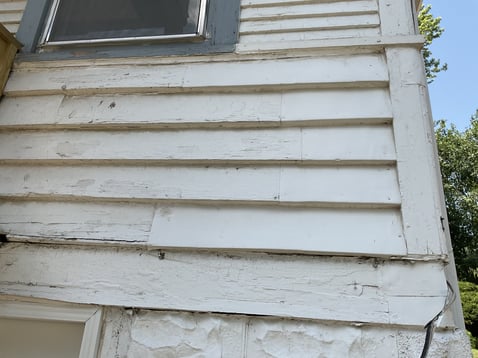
(309, 10)
(417, 163)
(289, 184)
(72, 221)
(289, 37)
(193, 110)
(335, 289)
(359, 70)
(301, 24)
(363, 143)
(371, 232)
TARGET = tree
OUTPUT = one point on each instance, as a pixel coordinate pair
(469, 298)
(458, 155)
(430, 28)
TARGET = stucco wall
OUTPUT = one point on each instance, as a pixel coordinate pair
(153, 334)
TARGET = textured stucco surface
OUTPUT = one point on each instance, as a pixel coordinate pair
(157, 334)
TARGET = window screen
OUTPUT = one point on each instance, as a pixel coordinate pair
(80, 21)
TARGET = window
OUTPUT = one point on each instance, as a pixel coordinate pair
(104, 21)
(57, 29)
(31, 330)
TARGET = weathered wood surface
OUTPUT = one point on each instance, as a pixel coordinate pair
(271, 21)
(248, 41)
(366, 70)
(339, 22)
(101, 222)
(328, 106)
(277, 184)
(362, 231)
(254, 10)
(348, 143)
(417, 161)
(11, 13)
(335, 289)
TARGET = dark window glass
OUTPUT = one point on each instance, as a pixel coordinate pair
(77, 20)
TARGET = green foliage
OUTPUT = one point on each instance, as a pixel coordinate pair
(469, 301)
(458, 155)
(429, 27)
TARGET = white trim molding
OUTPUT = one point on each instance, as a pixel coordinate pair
(90, 316)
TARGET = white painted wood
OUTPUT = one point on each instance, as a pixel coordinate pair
(336, 104)
(358, 142)
(42, 311)
(86, 221)
(353, 45)
(270, 108)
(268, 26)
(333, 230)
(10, 17)
(335, 289)
(309, 35)
(92, 335)
(416, 161)
(12, 6)
(340, 184)
(365, 231)
(310, 10)
(264, 3)
(276, 184)
(329, 71)
(396, 18)
(13, 28)
(361, 143)
(90, 316)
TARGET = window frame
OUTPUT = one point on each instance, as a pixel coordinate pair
(90, 316)
(52, 14)
(221, 35)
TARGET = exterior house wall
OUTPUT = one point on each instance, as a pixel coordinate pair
(286, 179)
(11, 12)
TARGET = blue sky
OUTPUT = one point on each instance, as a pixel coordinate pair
(454, 93)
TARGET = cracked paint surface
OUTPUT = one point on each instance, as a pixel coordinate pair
(157, 334)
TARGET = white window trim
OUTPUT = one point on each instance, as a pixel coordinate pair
(91, 316)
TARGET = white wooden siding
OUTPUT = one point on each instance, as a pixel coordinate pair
(275, 21)
(11, 14)
(285, 108)
(230, 140)
(233, 139)
(360, 185)
(289, 144)
(325, 288)
(361, 70)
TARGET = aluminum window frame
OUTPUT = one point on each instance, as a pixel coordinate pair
(45, 38)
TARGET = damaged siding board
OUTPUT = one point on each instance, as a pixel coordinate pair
(337, 289)
(362, 70)
(417, 162)
(364, 143)
(346, 184)
(362, 231)
(106, 222)
(312, 107)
